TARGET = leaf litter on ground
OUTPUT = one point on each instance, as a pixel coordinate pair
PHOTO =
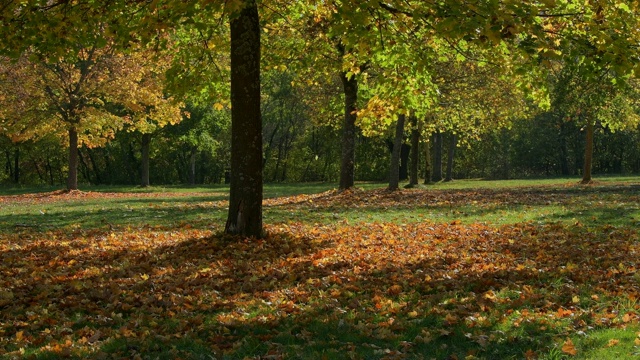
(402, 288)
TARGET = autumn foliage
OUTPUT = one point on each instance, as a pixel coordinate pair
(389, 290)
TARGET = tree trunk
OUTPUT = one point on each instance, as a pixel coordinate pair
(16, 166)
(427, 162)
(94, 166)
(348, 160)
(415, 142)
(245, 198)
(564, 151)
(437, 156)
(7, 164)
(144, 171)
(588, 153)
(72, 176)
(451, 153)
(394, 170)
(84, 168)
(192, 166)
(50, 171)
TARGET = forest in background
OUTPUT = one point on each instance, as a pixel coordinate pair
(196, 151)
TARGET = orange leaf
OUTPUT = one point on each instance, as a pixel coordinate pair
(530, 355)
(613, 342)
(569, 348)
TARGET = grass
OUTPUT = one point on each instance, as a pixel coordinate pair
(469, 269)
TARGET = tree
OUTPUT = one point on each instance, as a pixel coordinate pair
(394, 170)
(415, 151)
(85, 97)
(245, 199)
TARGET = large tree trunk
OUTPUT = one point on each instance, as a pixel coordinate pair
(394, 170)
(245, 198)
(144, 171)
(415, 142)
(451, 153)
(348, 160)
(72, 176)
(588, 153)
(437, 156)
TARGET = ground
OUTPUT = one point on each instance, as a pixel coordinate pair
(472, 270)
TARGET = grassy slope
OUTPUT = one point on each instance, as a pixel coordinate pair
(473, 269)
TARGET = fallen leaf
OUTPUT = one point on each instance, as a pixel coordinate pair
(569, 348)
(613, 342)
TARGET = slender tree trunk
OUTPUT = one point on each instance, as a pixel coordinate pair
(405, 149)
(84, 168)
(72, 176)
(437, 156)
(415, 150)
(7, 163)
(16, 166)
(245, 198)
(451, 153)
(564, 152)
(394, 170)
(427, 161)
(94, 166)
(144, 171)
(348, 160)
(192, 166)
(50, 171)
(41, 176)
(588, 153)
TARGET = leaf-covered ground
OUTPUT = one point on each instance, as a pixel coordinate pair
(323, 284)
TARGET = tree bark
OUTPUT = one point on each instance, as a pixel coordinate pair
(72, 176)
(564, 152)
(437, 156)
(450, 155)
(348, 159)
(245, 198)
(588, 153)
(394, 170)
(192, 166)
(144, 171)
(16, 166)
(427, 162)
(415, 142)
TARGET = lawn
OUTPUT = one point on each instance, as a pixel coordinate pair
(539, 269)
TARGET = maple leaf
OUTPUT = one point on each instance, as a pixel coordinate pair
(569, 348)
